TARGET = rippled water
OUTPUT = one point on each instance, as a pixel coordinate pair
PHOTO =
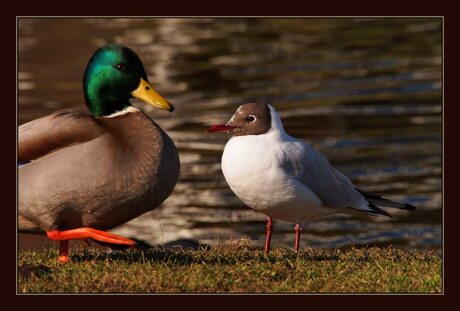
(366, 92)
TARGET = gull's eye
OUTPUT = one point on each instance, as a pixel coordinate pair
(250, 118)
(120, 67)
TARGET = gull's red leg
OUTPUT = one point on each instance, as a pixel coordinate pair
(268, 238)
(298, 230)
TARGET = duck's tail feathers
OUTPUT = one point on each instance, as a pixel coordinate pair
(377, 200)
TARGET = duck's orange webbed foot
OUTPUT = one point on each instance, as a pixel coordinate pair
(64, 251)
(83, 233)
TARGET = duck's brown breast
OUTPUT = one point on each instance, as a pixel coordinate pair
(129, 170)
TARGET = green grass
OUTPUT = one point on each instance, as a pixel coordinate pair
(231, 268)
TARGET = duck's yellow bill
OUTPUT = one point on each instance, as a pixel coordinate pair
(146, 93)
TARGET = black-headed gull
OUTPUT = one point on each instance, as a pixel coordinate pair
(284, 177)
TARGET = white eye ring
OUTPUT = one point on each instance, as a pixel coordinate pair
(251, 118)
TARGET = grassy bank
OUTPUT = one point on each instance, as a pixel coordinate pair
(235, 268)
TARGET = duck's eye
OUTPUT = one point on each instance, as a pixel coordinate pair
(250, 118)
(120, 67)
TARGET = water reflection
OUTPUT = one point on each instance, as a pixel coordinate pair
(365, 92)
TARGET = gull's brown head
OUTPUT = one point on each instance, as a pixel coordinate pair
(249, 119)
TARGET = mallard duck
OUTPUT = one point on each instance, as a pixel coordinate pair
(86, 173)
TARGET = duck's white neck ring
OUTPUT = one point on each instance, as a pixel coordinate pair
(128, 109)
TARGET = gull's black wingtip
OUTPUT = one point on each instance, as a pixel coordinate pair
(409, 207)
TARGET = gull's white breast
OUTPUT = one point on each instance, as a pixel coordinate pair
(252, 166)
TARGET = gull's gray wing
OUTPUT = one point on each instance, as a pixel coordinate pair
(313, 170)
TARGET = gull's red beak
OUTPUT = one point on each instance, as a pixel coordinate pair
(220, 128)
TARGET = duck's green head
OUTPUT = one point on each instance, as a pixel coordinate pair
(114, 75)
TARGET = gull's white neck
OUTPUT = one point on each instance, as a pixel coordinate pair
(276, 129)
